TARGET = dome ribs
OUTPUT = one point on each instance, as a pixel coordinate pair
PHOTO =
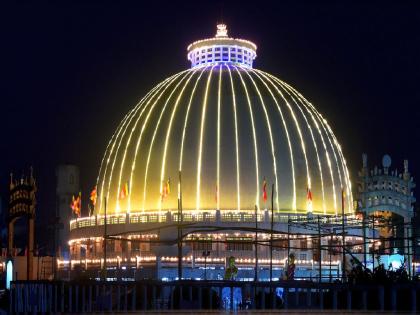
(200, 149)
(238, 181)
(154, 136)
(257, 177)
(124, 125)
(168, 132)
(324, 208)
(219, 100)
(329, 135)
(138, 143)
(302, 142)
(273, 152)
(293, 207)
(225, 127)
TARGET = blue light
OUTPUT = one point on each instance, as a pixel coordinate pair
(9, 274)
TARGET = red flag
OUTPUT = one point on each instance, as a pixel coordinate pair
(166, 189)
(124, 191)
(309, 199)
(308, 194)
(76, 204)
(265, 190)
(93, 196)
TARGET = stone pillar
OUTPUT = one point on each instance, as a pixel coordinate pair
(408, 246)
(30, 254)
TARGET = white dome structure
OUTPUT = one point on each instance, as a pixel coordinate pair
(226, 130)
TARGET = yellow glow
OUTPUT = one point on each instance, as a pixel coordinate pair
(257, 177)
(273, 153)
(200, 150)
(287, 137)
(218, 139)
(145, 140)
(181, 154)
(168, 132)
(154, 136)
(133, 165)
(123, 125)
(328, 134)
(333, 148)
(310, 207)
(124, 157)
(238, 179)
(299, 133)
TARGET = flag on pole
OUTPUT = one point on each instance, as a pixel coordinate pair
(309, 199)
(264, 190)
(76, 204)
(93, 196)
(166, 189)
(308, 194)
(168, 186)
(124, 191)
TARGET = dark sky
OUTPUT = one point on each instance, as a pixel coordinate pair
(70, 72)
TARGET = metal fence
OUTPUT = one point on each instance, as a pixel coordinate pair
(89, 296)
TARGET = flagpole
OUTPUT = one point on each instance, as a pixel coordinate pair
(104, 250)
(179, 228)
(272, 227)
(256, 244)
(343, 235)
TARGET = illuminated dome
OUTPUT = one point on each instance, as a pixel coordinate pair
(216, 133)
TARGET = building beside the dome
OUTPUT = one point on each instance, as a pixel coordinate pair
(388, 194)
(216, 161)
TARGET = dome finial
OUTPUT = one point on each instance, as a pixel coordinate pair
(221, 30)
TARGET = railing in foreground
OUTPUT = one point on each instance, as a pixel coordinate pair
(88, 296)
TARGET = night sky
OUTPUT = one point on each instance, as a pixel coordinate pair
(70, 72)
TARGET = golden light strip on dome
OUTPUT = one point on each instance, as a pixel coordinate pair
(302, 142)
(133, 165)
(184, 129)
(134, 128)
(329, 136)
(314, 143)
(273, 153)
(324, 206)
(323, 143)
(287, 137)
(218, 140)
(200, 150)
(117, 209)
(191, 73)
(346, 170)
(115, 135)
(344, 167)
(123, 124)
(257, 177)
(238, 179)
(168, 132)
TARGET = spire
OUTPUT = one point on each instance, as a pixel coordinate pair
(12, 185)
(221, 30)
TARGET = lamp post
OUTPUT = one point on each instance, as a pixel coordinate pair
(179, 228)
(256, 244)
(105, 238)
(271, 236)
